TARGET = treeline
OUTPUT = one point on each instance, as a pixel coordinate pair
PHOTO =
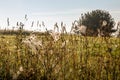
(16, 32)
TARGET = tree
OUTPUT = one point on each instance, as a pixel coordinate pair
(97, 21)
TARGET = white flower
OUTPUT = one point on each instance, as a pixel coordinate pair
(15, 75)
(116, 46)
(21, 69)
(64, 43)
(55, 35)
(18, 72)
(7, 42)
(33, 43)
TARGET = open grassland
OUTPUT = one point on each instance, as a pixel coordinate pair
(72, 57)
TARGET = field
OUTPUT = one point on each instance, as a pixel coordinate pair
(72, 57)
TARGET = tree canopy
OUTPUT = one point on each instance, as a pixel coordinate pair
(94, 20)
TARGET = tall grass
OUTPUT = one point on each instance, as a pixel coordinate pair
(72, 57)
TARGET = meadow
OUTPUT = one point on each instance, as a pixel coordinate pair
(72, 57)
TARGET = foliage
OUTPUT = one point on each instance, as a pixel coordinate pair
(81, 58)
(93, 20)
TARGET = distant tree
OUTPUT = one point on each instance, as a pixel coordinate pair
(97, 21)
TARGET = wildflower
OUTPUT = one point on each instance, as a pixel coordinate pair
(18, 72)
(51, 51)
(15, 75)
(72, 28)
(26, 17)
(64, 43)
(32, 37)
(8, 22)
(70, 70)
(33, 43)
(56, 26)
(7, 42)
(116, 45)
(43, 24)
(21, 69)
(37, 23)
(63, 27)
(32, 24)
(55, 35)
(82, 29)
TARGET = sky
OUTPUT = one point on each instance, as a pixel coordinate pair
(51, 11)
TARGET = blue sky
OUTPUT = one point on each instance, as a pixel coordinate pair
(52, 11)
